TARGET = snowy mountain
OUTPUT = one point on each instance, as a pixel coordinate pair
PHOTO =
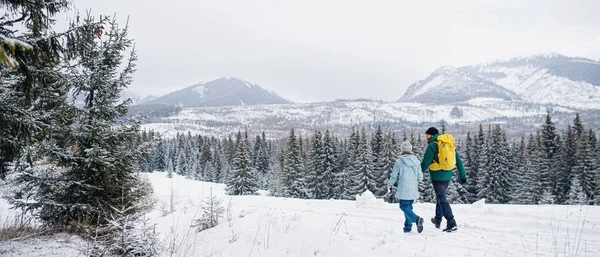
(220, 92)
(541, 79)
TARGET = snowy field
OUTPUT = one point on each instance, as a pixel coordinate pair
(269, 226)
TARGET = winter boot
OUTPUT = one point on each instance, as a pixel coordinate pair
(420, 224)
(406, 230)
(451, 225)
(436, 222)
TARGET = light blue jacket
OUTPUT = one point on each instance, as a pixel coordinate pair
(407, 171)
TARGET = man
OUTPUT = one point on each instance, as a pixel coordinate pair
(441, 173)
(407, 172)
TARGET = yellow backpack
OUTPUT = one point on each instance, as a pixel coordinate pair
(446, 153)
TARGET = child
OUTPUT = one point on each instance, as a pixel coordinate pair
(407, 171)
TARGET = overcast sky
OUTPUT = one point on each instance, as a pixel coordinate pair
(321, 50)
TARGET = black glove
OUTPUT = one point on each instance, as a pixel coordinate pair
(463, 180)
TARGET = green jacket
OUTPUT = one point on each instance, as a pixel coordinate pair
(431, 154)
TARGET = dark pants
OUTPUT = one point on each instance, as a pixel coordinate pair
(409, 216)
(442, 207)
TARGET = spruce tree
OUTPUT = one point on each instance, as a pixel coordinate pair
(205, 155)
(381, 149)
(576, 194)
(498, 188)
(316, 166)
(242, 180)
(471, 168)
(482, 147)
(591, 165)
(293, 177)
(363, 165)
(97, 169)
(342, 177)
(327, 181)
(549, 147)
(521, 174)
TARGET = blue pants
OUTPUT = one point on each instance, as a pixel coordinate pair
(442, 207)
(409, 216)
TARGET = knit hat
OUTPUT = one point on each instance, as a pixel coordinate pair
(406, 147)
(432, 131)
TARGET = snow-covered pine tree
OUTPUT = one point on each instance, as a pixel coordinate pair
(536, 188)
(218, 164)
(380, 162)
(182, 167)
(342, 177)
(205, 156)
(262, 162)
(98, 166)
(294, 183)
(471, 168)
(242, 179)
(170, 169)
(33, 106)
(212, 212)
(315, 167)
(498, 188)
(576, 194)
(482, 148)
(591, 165)
(549, 147)
(158, 156)
(327, 181)
(520, 175)
(363, 165)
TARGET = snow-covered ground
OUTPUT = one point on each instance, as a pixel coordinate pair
(270, 226)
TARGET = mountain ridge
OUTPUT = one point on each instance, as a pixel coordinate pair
(225, 91)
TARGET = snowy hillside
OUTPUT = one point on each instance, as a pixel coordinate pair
(220, 92)
(276, 120)
(542, 79)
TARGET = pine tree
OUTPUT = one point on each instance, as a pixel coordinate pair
(262, 160)
(520, 174)
(205, 155)
(158, 156)
(549, 147)
(471, 168)
(537, 189)
(218, 164)
(576, 194)
(293, 177)
(242, 179)
(342, 177)
(97, 167)
(33, 96)
(212, 211)
(498, 189)
(591, 165)
(482, 147)
(363, 166)
(170, 169)
(315, 165)
(327, 181)
(181, 166)
(380, 147)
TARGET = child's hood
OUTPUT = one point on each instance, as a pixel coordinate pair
(410, 160)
